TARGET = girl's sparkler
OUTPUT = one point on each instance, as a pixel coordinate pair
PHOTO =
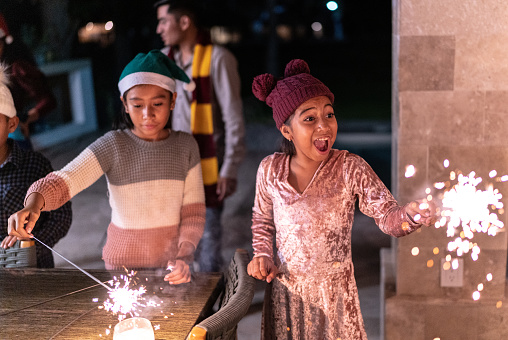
(469, 208)
(473, 210)
(123, 300)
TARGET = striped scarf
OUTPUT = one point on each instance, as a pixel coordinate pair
(202, 119)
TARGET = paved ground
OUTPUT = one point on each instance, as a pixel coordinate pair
(91, 214)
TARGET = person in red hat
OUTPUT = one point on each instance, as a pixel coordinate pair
(305, 199)
(30, 90)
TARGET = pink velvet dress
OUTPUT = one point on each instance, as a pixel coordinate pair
(314, 296)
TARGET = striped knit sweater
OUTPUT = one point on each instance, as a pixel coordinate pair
(155, 193)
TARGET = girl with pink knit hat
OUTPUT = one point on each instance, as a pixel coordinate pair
(305, 198)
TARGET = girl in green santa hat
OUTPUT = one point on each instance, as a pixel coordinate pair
(153, 175)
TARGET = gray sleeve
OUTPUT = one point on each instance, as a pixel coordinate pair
(226, 83)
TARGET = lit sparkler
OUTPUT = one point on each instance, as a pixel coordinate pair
(122, 299)
(465, 206)
(466, 211)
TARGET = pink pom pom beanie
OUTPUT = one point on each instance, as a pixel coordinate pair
(286, 94)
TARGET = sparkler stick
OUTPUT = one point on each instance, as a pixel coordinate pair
(46, 301)
(70, 323)
(82, 270)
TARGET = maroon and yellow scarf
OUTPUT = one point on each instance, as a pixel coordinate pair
(202, 119)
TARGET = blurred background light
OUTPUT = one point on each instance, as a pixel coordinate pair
(332, 5)
(108, 26)
(316, 26)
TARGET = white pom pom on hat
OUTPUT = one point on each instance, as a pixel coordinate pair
(7, 107)
(189, 87)
(4, 31)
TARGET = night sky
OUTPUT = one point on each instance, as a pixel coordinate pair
(357, 68)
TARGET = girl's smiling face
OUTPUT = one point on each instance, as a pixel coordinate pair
(312, 128)
(149, 107)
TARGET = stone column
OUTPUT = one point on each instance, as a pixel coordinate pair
(450, 101)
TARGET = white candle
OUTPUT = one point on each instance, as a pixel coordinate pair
(134, 329)
(135, 334)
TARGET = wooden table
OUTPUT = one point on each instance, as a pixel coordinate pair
(64, 304)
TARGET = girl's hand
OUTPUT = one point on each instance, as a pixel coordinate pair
(180, 273)
(422, 212)
(21, 223)
(262, 268)
(225, 187)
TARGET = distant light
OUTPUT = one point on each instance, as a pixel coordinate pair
(332, 5)
(316, 26)
(410, 171)
(224, 35)
(98, 32)
(108, 26)
(285, 32)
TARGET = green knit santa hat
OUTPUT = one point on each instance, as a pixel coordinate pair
(153, 68)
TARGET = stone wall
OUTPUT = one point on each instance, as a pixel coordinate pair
(450, 101)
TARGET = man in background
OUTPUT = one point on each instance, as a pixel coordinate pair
(211, 110)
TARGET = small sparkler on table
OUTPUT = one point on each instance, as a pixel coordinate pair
(122, 299)
(466, 211)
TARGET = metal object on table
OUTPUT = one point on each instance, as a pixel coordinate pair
(21, 254)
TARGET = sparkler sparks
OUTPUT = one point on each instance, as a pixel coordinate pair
(466, 211)
(473, 210)
(410, 171)
(122, 299)
(126, 298)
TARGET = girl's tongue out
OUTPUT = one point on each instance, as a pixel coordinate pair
(321, 144)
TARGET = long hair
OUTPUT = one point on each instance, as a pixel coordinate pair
(123, 121)
(287, 147)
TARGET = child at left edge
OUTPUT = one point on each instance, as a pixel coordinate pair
(153, 174)
(18, 169)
